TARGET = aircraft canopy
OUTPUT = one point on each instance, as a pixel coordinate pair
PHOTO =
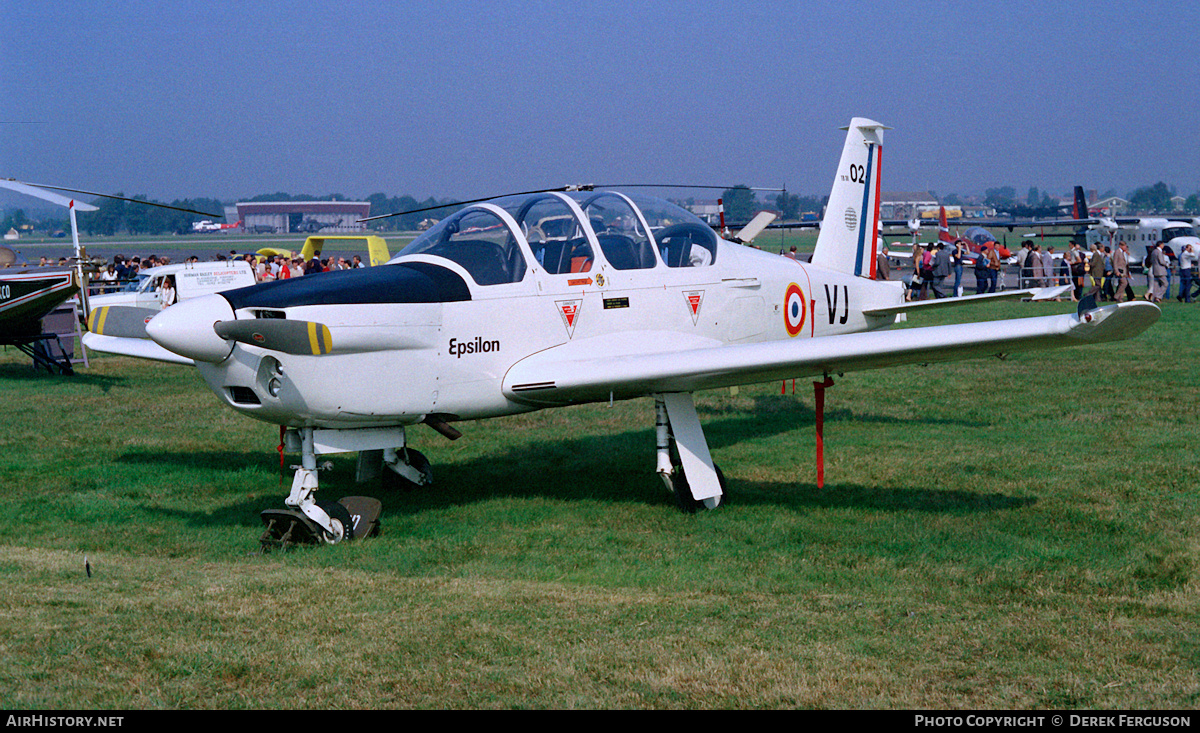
(561, 234)
(979, 236)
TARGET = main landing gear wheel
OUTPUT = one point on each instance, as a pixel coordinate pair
(683, 492)
(416, 461)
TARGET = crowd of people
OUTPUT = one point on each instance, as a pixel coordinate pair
(279, 267)
(123, 270)
(1100, 271)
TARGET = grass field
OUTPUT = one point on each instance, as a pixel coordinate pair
(992, 534)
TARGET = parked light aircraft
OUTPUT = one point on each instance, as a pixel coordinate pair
(377, 249)
(1144, 233)
(976, 239)
(489, 314)
(1136, 231)
(28, 293)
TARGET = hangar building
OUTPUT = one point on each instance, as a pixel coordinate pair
(303, 216)
(906, 205)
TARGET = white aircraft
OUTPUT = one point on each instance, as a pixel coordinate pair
(1135, 231)
(501, 309)
(1142, 233)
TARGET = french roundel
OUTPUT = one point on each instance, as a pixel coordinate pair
(795, 309)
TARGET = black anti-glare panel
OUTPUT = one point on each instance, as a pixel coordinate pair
(413, 282)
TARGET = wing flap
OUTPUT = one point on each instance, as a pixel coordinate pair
(587, 374)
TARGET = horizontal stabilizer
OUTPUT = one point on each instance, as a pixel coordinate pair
(1035, 294)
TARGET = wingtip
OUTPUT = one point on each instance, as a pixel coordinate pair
(1117, 321)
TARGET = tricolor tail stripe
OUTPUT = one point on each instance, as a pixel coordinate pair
(875, 221)
(865, 258)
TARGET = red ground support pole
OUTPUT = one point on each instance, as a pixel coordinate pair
(819, 393)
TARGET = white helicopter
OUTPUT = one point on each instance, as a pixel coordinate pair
(564, 297)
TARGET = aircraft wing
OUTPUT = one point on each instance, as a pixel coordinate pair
(610, 367)
(1011, 224)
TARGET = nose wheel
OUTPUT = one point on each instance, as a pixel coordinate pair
(341, 525)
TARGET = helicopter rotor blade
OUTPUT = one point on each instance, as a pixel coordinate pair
(560, 189)
(31, 188)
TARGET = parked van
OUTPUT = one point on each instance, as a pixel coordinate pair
(191, 279)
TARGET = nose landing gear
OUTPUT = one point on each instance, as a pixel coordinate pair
(307, 521)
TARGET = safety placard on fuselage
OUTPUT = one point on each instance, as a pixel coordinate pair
(569, 310)
(694, 298)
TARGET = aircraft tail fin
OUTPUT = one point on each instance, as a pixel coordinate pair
(849, 231)
(1081, 207)
(378, 250)
(943, 227)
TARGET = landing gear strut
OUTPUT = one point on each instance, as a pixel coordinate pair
(305, 520)
(683, 460)
(405, 468)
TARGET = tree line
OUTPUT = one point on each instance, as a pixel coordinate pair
(1154, 199)
(741, 203)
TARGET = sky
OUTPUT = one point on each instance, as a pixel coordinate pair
(470, 99)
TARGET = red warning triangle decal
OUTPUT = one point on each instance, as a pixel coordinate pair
(694, 298)
(569, 310)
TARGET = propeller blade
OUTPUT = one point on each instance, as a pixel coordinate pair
(122, 321)
(304, 338)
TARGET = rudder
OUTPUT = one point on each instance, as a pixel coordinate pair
(849, 231)
(1080, 208)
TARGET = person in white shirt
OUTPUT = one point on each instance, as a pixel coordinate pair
(166, 291)
(1187, 272)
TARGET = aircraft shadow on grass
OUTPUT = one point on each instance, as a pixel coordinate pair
(607, 468)
(13, 372)
(776, 415)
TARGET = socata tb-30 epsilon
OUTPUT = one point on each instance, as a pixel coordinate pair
(553, 299)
